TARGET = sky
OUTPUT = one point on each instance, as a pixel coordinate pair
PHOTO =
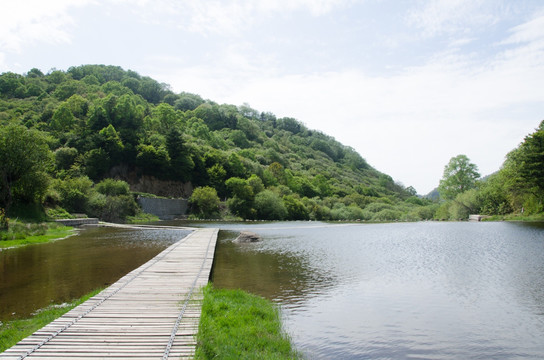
(407, 84)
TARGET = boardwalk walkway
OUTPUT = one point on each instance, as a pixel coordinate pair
(151, 313)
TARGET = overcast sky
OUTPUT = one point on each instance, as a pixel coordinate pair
(408, 84)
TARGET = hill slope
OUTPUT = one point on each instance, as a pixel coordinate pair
(102, 121)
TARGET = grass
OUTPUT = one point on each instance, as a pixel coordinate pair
(13, 331)
(141, 218)
(516, 217)
(238, 325)
(20, 234)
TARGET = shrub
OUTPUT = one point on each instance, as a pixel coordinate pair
(377, 207)
(74, 193)
(387, 215)
(113, 187)
(112, 208)
(205, 201)
(295, 208)
(269, 206)
(352, 212)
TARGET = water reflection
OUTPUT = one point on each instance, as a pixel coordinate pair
(282, 276)
(397, 291)
(35, 276)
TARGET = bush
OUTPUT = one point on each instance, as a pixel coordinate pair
(387, 215)
(74, 193)
(377, 207)
(113, 187)
(4, 220)
(112, 208)
(269, 206)
(65, 157)
(205, 201)
(58, 213)
(443, 213)
(352, 212)
(295, 208)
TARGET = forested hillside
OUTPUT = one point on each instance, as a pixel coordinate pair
(516, 191)
(97, 122)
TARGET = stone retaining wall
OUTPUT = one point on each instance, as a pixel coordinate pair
(78, 222)
(165, 209)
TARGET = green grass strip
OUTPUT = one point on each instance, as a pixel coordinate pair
(11, 332)
(238, 325)
(52, 233)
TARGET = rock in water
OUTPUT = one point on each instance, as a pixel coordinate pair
(247, 237)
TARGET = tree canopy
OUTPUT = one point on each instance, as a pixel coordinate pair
(24, 159)
(459, 176)
(103, 122)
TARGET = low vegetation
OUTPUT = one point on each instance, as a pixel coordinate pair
(238, 325)
(20, 233)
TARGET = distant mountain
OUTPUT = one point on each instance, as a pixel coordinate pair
(433, 195)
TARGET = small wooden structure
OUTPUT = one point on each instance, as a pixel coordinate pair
(151, 313)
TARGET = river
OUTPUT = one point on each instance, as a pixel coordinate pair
(427, 290)
(397, 291)
(35, 276)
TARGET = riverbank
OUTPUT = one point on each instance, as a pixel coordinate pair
(516, 217)
(237, 325)
(20, 234)
(234, 324)
(13, 331)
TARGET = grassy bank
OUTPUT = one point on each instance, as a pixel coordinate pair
(20, 233)
(13, 331)
(516, 217)
(238, 325)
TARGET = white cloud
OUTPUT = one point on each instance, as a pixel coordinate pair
(437, 17)
(227, 18)
(26, 21)
(408, 124)
(530, 31)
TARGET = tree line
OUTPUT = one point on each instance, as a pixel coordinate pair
(516, 189)
(78, 141)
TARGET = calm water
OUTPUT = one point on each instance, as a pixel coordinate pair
(364, 291)
(397, 291)
(35, 276)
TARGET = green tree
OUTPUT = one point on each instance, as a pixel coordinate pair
(459, 176)
(153, 161)
(65, 157)
(108, 139)
(295, 208)
(206, 201)
(464, 204)
(24, 156)
(63, 119)
(74, 193)
(269, 206)
(217, 175)
(493, 196)
(181, 163)
(112, 187)
(241, 202)
(523, 170)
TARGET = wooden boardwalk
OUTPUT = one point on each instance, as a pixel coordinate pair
(151, 313)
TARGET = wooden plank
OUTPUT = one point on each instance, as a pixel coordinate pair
(135, 317)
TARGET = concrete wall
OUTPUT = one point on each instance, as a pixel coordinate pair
(78, 222)
(165, 209)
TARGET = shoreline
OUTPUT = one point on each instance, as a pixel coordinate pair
(55, 233)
